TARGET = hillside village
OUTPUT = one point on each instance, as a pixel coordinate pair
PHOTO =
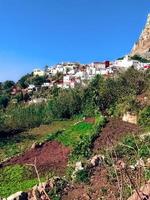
(77, 131)
(71, 74)
(76, 73)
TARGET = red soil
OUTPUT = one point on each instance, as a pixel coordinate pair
(90, 120)
(50, 156)
(112, 132)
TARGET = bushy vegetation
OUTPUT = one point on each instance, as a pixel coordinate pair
(144, 117)
(132, 148)
(140, 59)
(83, 148)
(82, 176)
(126, 164)
(100, 95)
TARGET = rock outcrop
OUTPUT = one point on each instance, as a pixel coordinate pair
(142, 46)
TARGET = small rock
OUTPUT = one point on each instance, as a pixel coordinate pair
(96, 160)
(120, 165)
(18, 196)
(33, 146)
(78, 166)
(140, 163)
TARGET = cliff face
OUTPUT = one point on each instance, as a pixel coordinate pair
(142, 46)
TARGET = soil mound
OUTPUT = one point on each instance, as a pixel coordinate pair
(50, 156)
(112, 132)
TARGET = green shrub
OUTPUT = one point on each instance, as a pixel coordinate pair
(83, 176)
(147, 174)
(4, 100)
(144, 117)
(127, 147)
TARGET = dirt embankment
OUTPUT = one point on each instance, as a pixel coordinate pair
(112, 132)
(50, 156)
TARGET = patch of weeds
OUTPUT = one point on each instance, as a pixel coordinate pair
(15, 178)
(69, 172)
(104, 191)
(111, 176)
(58, 188)
(144, 151)
(147, 174)
(82, 149)
(56, 198)
(53, 136)
(108, 160)
(127, 147)
(83, 176)
(127, 191)
(73, 135)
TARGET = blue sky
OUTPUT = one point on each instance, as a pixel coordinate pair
(34, 33)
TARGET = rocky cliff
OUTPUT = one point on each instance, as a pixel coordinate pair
(142, 46)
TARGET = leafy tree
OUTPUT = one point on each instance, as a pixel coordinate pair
(134, 80)
(4, 101)
(7, 85)
(101, 92)
(25, 80)
(38, 80)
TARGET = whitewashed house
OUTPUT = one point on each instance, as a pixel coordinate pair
(47, 85)
(31, 88)
(38, 72)
(126, 63)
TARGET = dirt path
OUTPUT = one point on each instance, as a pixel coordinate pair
(50, 156)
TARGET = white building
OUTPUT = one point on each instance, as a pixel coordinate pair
(47, 85)
(126, 62)
(98, 65)
(31, 88)
(38, 72)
